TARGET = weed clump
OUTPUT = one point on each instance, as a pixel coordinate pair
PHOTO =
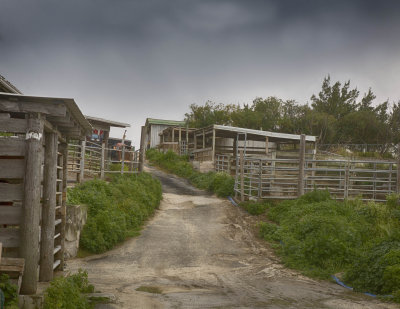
(116, 210)
(221, 184)
(321, 236)
(9, 292)
(68, 292)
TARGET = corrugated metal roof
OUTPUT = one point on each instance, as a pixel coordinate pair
(111, 123)
(165, 122)
(309, 138)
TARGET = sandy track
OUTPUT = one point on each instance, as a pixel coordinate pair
(201, 253)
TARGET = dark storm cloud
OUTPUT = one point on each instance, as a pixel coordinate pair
(153, 58)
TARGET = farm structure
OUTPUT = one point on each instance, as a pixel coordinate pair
(219, 146)
(7, 87)
(178, 139)
(33, 180)
(152, 129)
(95, 155)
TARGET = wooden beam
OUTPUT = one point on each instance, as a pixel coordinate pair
(266, 145)
(11, 192)
(29, 230)
(13, 125)
(48, 208)
(204, 139)
(55, 109)
(142, 151)
(12, 168)
(10, 215)
(11, 146)
(9, 237)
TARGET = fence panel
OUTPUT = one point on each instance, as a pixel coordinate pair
(268, 178)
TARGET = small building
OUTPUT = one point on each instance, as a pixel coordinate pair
(154, 127)
(33, 180)
(218, 143)
(178, 139)
(101, 128)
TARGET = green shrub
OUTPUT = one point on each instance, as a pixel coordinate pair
(254, 208)
(116, 210)
(221, 184)
(9, 291)
(67, 292)
(321, 236)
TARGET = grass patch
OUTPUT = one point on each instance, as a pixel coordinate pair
(321, 236)
(254, 208)
(69, 292)
(221, 184)
(116, 209)
(149, 289)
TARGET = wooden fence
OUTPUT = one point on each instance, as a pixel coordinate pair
(268, 178)
(90, 159)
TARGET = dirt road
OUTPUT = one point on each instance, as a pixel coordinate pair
(199, 252)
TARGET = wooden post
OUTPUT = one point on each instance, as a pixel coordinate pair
(229, 164)
(266, 145)
(241, 176)
(82, 161)
(314, 164)
(204, 139)
(346, 181)
(398, 169)
(123, 153)
(213, 146)
(173, 135)
(49, 207)
(64, 152)
(102, 159)
(260, 181)
(29, 228)
(142, 150)
(300, 188)
(187, 139)
(195, 140)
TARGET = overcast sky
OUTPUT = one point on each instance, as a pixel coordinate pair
(129, 60)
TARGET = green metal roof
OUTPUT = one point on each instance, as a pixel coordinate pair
(165, 122)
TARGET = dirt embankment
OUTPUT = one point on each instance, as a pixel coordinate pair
(200, 252)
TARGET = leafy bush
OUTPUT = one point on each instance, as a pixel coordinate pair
(321, 236)
(116, 210)
(67, 292)
(221, 184)
(254, 208)
(10, 292)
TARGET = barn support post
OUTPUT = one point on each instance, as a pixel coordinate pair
(48, 208)
(204, 139)
(64, 151)
(123, 154)
(142, 150)
(398, 169)
(82, 161)
(102, 159)
(266, 145)
(29, 228)
(241, 176)
(302, 153)
(195, 140)
(213, 146)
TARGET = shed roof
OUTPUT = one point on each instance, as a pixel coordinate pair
(165, 122)
(232, 132)
(63, 113)
(110, 123)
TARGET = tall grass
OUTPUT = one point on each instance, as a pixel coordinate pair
(321, 236)
(116, 210)
(221, 184)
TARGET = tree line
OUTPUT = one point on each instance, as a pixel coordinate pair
(337, 115)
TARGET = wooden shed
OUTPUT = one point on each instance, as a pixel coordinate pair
(152, 129)
(178, 139)
(33, 151)
(218, 143)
